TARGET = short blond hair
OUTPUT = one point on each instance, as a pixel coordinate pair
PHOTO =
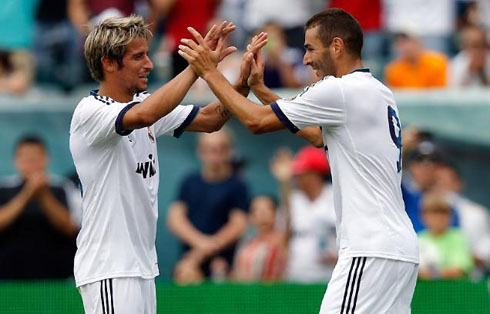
(434, 201)
(110, 39)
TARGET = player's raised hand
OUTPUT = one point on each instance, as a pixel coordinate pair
(217, 31)
(258, 41)
(256, 77)
(200, 56)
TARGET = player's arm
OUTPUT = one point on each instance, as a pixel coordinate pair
(167, 97)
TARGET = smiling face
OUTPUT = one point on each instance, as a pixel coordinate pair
(317, 56)
(135, 68)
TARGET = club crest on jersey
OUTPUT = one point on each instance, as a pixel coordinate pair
(150, 135)
(146, 169)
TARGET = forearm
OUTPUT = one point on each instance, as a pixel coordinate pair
(230, 233)
(264, 94)
(182, 228)
(161, 102)
(11, 211)
(245, 110)
(57, 214)
(79, 15)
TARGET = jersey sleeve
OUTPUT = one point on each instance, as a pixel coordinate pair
(176, 121)
(99, 122)
(320, 104)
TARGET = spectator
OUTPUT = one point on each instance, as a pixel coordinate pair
(435, 19)
(444, 252)
(312, 251)
(37, 233)
(57, 46)
(474, 218)
(16, 41)
(209, 215)
(415, 67)
(471, 67)
(424, 162)
(262, 258)
(283, 65)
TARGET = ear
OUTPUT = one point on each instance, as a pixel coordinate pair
(109, 65)
(337, 46)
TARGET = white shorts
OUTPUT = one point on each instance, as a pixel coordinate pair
(126, 295)
(368, 285)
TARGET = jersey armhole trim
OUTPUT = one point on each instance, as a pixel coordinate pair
(192, 115)
(119, 119)
(282, 117)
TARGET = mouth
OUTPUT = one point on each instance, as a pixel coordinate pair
(144, 77)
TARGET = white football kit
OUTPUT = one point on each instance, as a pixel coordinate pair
(119, 175)
(362, 135)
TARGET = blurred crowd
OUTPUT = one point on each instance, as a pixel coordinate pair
(408, 44)
(226, 234)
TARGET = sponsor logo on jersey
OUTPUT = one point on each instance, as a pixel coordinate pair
(147, 169)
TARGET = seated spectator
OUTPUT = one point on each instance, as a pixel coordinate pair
(209, 215)
(423, 163)
(312, 251)
(444, 251)
(262, 257)
(474, 218)
(471, 67)
(415, 67)
(283, 64)
(37, 232)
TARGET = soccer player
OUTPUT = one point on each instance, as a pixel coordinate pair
(113, 143)
(360, 127)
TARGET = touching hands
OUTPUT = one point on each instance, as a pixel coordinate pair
(253, 49)
(202, 56)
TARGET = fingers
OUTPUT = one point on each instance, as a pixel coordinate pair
(187, 50)
(211, 33)
(197, 36)
(228, 51)
(229, 28)
(186, 56)
(189, 42)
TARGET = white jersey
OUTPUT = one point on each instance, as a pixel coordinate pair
(119, 174)
(313, 235)
(362, 133)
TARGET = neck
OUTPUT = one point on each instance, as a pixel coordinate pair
(348, 67)
(216, 173)
(115, 91)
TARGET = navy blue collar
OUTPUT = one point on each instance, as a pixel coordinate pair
(365, 70)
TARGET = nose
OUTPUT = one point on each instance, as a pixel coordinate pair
(306, 59)
(148, 63)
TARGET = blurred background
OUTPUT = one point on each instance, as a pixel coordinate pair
(264, 239)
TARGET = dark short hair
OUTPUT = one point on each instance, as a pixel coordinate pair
(30, 139)
(338, 23)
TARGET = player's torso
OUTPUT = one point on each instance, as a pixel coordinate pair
(365, 157)
(120, 179)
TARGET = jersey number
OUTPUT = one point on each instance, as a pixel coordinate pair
(396, 134)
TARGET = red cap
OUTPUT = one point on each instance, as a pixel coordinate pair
(311, 159)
